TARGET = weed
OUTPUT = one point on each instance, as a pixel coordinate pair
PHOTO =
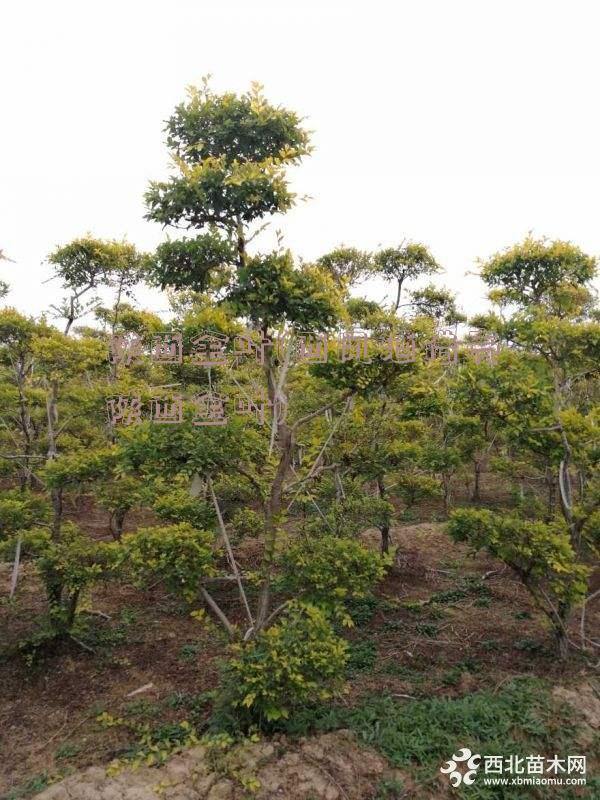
(426, 629)
(196, 705)
(129, 616)
(34, 785)
(189, 651)
(419, 735)
(448, 596)
(491, 645)
(361, 657)
(529, 646)
(142, 708)
(362, 610)
(390, 789)
(413, 605)
(395, 625)
(67, 750)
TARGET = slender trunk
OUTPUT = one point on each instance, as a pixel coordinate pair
(398, 294)
(476, 494)
(339, 486)
(551, 494)
(71, 610)
(385, 529)
(272, 520)
(566, 496)
(241, 244)
(56, 495)
(284, 440)
(558, 615)
(21, 369)
(211, 602)
(114, 366)
(15, 572)
(447, 493)
(562, 644)
(560, 628)
(116, 523)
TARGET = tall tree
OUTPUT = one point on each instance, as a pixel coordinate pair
(404, 263)
(232, 154)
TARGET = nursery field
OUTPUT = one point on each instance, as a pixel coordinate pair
(443, 625)
(286, 540)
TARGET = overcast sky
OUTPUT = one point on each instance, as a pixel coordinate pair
(459, 123)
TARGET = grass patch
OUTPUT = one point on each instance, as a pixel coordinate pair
(419, 736)
(142, 708)
(34, 785)
(68, 750)
(190, 651)
(361, 657)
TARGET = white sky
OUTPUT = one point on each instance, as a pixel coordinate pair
(461, 123)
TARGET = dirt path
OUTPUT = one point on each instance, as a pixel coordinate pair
(328, 767)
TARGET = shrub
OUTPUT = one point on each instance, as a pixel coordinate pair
(178, 555)
(21, 510)
(351, 515)
(33, 543)
(247, 522)
(118, 495)
(68, 567)
(416, 486)
(80, 467)
(328, 571)
(296, 662)
(179, 506)
(540, 553)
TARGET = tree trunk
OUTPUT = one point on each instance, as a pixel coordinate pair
(551, 487)
(339, 486)
(284, 441)
(116, 522)
(21, 371)
(385, 529)
(272, 518)
(56, 495)
(447, 493)
(562, 641)
(476, 494)
(398, 294)
(71, 610)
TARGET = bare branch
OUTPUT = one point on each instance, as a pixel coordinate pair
(303, 420)
(230, 555)
(213, 604)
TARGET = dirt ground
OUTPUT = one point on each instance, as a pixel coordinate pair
(481, 618)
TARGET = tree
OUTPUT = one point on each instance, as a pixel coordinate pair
(87, 263)
(347, 265)
(437, 303)
(232, 154)
(537, 272)
(555, 416)
(406, 262)
(17, 335)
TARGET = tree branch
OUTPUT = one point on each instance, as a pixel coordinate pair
(213, 604)
(230, 555)
(303, 420)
